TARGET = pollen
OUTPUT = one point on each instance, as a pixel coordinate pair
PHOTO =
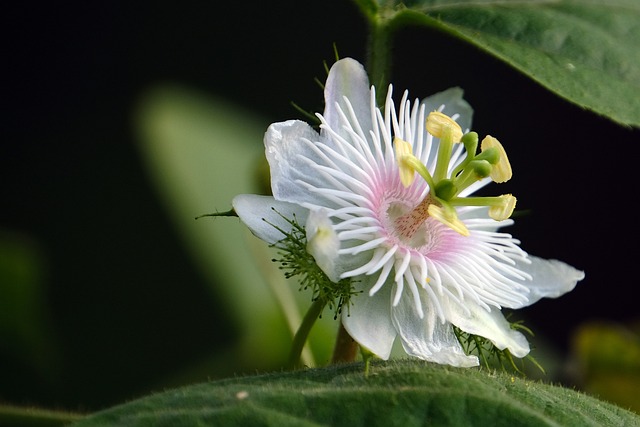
(403, 151)
(449, 218)
(437, 122)
(501, 171)
(503, 210)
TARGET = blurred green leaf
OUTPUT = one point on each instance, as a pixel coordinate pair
(401, 393)
(608, 359)
(585, 51)
(25, 333)
(14, 416)
(200, 153)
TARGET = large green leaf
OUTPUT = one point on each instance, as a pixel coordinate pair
(586, 51)
(401, 393)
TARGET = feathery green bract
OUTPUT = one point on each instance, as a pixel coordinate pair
(295, 261)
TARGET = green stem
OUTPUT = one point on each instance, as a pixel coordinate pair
(18, 416)
(444, 154)
(422, 170)
(300, 338)
(379, 56)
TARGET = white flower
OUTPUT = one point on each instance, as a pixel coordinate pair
(424, 260)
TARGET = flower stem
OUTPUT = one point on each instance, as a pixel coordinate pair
(346, 348)
(379, 56)
(300, 338)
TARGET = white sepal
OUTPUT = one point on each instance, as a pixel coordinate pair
(264, 215)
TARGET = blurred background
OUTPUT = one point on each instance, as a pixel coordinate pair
(126, 121)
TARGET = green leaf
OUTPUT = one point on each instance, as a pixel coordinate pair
(585, 51)
(26, 335)
(201, 152)
(402, 393)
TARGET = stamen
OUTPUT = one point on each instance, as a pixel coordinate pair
(437, 123)
(448, 217)
(408, 164)
(504, 211)
(501, 171)
(500, 207)
(470, 142)
(403, 150)
(475, 171)
(443, 127)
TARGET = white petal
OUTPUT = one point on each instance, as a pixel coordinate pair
(262, 213)
(428, 338)
(323, 242)
(347, 77)
(287, 145)
(368, 319)
(488, 324)
(551, 278)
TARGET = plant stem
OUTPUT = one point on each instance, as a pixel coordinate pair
(300, 338)
(379, 55)
(346, 348)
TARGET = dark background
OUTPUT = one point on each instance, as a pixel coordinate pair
(127, 305)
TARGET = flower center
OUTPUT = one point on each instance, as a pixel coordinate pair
(413, 226)
(406, 225)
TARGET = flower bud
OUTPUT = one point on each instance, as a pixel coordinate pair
(323, 242)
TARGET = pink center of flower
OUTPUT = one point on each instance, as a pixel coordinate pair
(406, 225)
(411, 227)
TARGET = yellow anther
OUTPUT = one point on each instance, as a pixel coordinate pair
(501, 171)
(437, 122)
(502, 211)
(448, 217)
(403, 153)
